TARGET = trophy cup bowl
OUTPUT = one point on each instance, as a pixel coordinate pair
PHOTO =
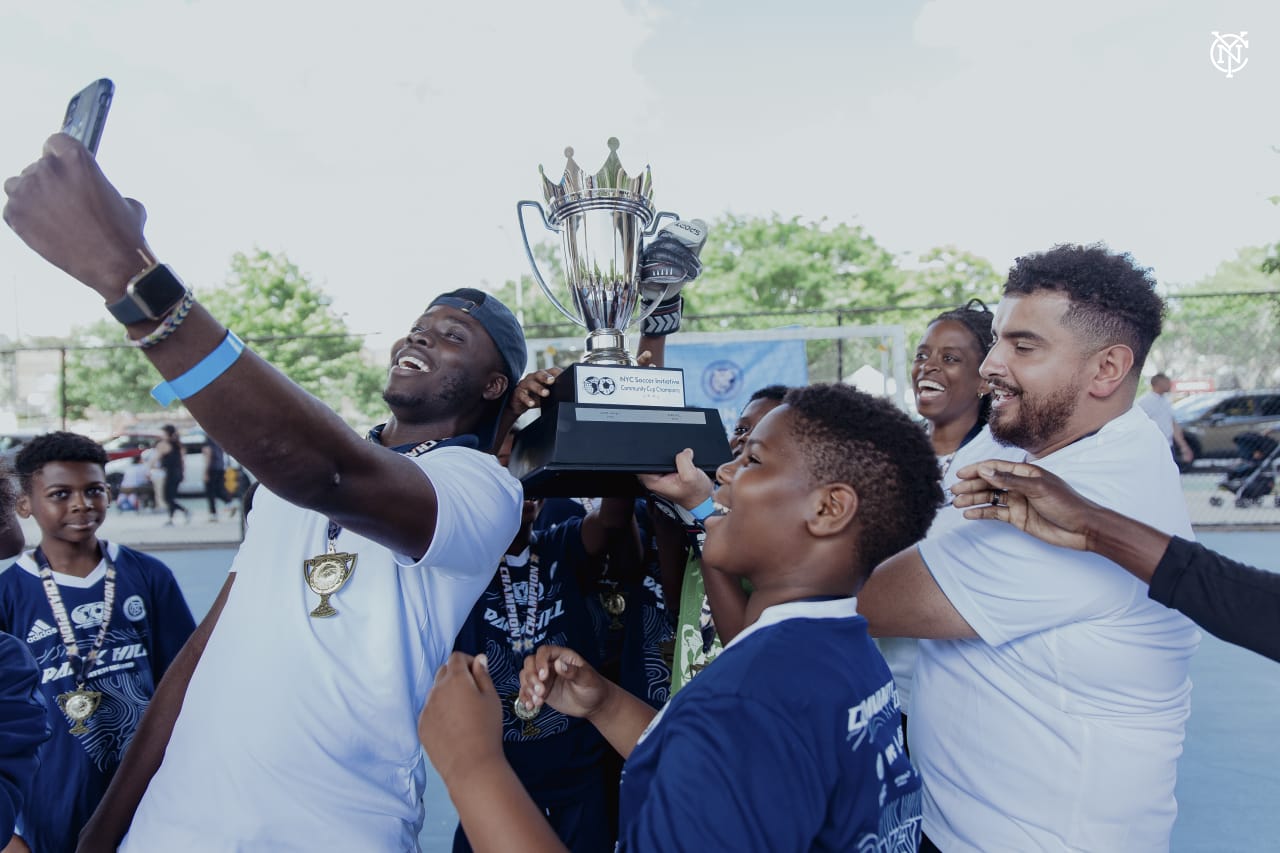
(606, 419)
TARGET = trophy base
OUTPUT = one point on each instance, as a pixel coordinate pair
(589, 450)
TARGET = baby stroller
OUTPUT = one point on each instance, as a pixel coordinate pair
(1255, 477)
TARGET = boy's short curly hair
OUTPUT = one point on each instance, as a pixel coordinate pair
(849, 436)
(8, 492)
(56, 447)
(1113, 299)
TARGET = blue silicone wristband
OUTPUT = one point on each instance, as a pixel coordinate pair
(198, 377)
(704, 510)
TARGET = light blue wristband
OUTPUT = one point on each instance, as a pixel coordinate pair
(704, 510)
(198, 377)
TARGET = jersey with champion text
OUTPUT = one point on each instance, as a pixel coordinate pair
(552, 753)
(149, 624)
(791, 740)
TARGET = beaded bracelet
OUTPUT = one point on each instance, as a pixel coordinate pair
(172, 321)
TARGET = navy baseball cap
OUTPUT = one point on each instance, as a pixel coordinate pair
(503, 327)
(507, 336)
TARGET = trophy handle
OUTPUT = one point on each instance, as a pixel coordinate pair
(657, 221)
(533, 263)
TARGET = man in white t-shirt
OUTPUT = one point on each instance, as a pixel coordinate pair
(1051, 694)
(288, 722)
(1157, 406)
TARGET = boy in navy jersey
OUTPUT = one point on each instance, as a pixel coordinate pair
(537, 597)
(25, 721)
(829, 484)
(103, 623)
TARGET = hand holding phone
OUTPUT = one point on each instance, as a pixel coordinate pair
(87, 113)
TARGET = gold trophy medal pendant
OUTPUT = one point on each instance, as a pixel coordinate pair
(523, 711)
(79, 705)
(326, 575)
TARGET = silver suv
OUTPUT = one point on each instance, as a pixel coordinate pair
(1210, 421)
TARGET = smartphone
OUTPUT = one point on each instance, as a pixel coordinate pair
(87, 113)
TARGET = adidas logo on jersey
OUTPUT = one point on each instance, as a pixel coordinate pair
(39, 630)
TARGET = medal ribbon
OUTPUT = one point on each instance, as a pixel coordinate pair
(80, 665)
(521, 641)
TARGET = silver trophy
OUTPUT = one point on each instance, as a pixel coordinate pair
(602, 220)
(606, 419)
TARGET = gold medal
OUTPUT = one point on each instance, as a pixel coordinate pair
(79, 705)
(614, 604)
(325, 575)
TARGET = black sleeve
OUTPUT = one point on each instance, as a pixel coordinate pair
(1232, 601)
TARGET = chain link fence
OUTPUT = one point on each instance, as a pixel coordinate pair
(1211, 342)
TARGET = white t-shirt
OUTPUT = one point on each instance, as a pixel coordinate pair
(1160, 410)
(1061, 727)
(300, 733)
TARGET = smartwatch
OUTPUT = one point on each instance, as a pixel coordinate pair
(150, 295)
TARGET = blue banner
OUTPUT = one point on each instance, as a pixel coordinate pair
(724, 376)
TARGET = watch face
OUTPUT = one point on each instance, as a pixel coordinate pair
(150, 296)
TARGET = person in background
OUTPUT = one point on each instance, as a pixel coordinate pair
(215, 478)
(1158, 407)
(168, 458)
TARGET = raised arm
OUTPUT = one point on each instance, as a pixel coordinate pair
(65, 209)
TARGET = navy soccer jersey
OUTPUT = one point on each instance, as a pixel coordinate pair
(554, 755)
(150, 621)
(790, 740)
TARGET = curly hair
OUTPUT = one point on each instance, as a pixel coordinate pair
(1113, 300)
(975, 316)
(8, 493)
(56, 447)
(769, 392)
(849, 436)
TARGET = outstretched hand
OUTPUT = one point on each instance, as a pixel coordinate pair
(1028, 497)
(687, 486)
(461, 725)
(64, 208)
(561, 678)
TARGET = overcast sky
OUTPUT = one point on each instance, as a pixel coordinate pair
(383, 145)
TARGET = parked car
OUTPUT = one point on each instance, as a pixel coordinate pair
(192, 467)
(11, 443)
(126, 445)
(1211, 421)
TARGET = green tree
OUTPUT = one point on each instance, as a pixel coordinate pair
(1225, 327)
(272, 306)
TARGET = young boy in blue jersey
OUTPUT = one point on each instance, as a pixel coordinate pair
(103, 622)
(537, 598)
(22, 711)
(829, 484)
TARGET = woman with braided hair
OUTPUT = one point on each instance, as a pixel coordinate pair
(953, 400)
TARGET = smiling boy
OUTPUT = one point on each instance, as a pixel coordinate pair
(103, 622)
(828, 484)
